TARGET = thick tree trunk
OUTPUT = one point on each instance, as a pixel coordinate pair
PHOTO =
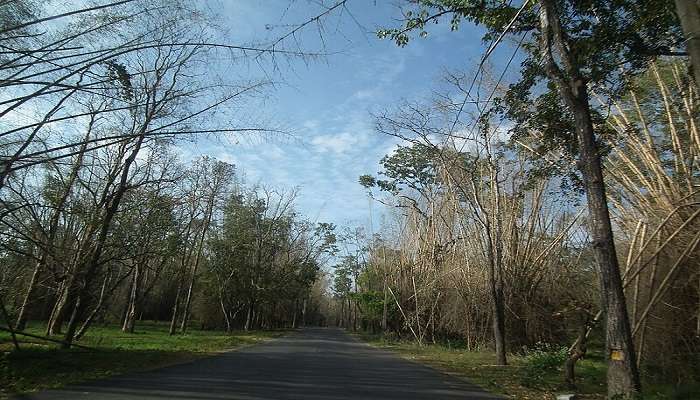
(623, 376)
(689, 15)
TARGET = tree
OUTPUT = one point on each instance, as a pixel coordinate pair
(342, 286)
(689, 15)
(212, 180)
(580, 44)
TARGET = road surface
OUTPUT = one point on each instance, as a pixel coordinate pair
(309, 364)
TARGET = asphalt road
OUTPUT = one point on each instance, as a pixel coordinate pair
(309, 364)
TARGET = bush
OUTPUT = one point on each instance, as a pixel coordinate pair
(541, 361)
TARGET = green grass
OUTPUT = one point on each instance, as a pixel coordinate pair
(515, 380)
(41, 365)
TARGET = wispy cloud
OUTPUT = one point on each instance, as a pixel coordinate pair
(327, 105)
(337, 143)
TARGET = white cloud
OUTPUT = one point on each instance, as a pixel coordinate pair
(337, 143)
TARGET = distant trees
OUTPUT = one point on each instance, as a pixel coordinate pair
(195, 238)
(265, 260)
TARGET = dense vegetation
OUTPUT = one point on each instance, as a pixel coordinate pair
(491, 244)
(476, 219)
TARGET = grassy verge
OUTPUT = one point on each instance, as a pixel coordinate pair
(524, 378)
(40, 365)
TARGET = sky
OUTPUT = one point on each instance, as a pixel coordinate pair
(327, 104)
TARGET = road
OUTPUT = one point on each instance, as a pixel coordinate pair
(309, 364)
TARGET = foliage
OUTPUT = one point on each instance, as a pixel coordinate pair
(540, 361)
(609, 40)
(477, 367)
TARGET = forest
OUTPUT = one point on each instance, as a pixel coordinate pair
(539, 211)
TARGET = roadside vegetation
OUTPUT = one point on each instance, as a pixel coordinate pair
(536, 208)
(42, 365)
(532, 374)
(107, 221)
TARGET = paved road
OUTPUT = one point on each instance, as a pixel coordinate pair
(310, 364)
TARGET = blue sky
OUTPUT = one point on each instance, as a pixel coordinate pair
(327, 104)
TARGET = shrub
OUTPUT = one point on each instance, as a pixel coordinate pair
(540, 361)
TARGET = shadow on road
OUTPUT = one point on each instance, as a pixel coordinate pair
(310, 364)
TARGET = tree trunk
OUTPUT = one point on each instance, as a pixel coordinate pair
(499, 328)
(689, 15)
(176, 306)
(58, 313)
(78, 310)
(129, 318)
(53, 227)
(188, 302)
(303, 313)
(225, 312)
(386, 299)
(577, 352)
(497, 303)
(623, 376)
(22, 315)
(94, 312)
(92, 262)
(248, 317)
(198, 256)
(294, 314)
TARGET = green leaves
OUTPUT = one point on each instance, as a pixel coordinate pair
(368, 181)
(610, 40)
(411, 166)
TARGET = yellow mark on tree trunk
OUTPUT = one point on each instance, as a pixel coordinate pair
(617, 355)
